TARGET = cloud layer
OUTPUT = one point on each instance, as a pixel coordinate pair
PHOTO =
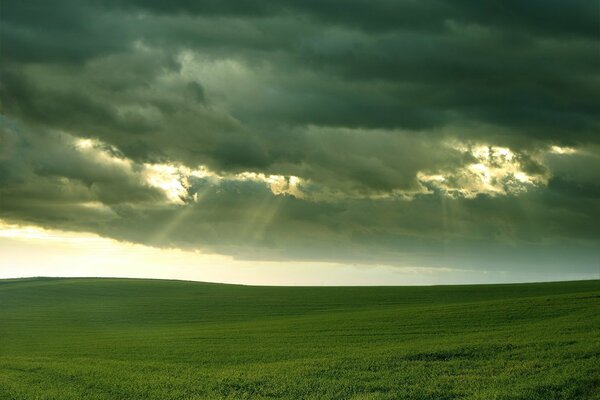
(434, 133)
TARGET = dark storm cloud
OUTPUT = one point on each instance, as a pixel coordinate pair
(577, 18)
(44, 179)
(356, 98)
(67, 30)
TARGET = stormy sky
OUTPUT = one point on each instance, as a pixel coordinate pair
(426, 134)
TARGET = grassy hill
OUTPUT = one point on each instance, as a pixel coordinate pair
(150, 339)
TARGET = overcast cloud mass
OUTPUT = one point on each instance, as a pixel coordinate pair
(445, 134)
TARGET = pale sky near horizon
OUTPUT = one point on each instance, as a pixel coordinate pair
(29, 251)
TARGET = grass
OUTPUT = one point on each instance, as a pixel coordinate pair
(149, 339)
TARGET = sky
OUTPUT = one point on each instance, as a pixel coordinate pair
(301, 142)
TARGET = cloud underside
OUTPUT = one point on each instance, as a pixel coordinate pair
(379, 132)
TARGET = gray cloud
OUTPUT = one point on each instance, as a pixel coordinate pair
(375, 106)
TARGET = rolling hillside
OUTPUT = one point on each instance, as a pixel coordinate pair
(152, 339)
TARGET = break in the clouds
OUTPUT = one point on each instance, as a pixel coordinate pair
(434, 133)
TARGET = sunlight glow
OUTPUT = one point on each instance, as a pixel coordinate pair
(34, 251)
(30, 232)
(172, 180)
(497, 172)
(562, 150)
(84, 144)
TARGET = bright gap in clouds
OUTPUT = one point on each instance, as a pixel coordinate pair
(29, 251)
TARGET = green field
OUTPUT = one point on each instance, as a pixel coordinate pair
(151, 339)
